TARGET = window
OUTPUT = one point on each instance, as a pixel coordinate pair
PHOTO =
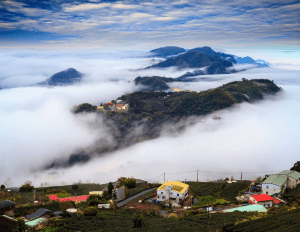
(157, 196)
(161, 193)
(267, 186)
(177, 194)
(267, 192)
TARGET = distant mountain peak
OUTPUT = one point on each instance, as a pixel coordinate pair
(66, 77)
(167, 51)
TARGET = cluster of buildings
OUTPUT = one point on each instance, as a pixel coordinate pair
(118, 106)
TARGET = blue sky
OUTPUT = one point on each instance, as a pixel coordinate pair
(241, 27)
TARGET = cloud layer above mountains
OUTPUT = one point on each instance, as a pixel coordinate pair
(37, 125)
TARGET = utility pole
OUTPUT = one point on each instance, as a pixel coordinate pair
(34, 197)
(197, 175)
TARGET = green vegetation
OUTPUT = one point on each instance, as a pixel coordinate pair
(90, 211)
(280, 221)
(124, 220)
(2, 187)
(27, 187)
(25, 210)
(21, 227)
(210, 200)
(85, 107)
(83, 189)
(219, 190)
(296, 167)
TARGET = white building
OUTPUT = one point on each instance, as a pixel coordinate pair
(276, 184)
(172, 190)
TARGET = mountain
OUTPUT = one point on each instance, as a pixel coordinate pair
(208, 51)
(66, 77)
(193, 59)
(249, 60)
(262, 62)
(160, 112)
(167, 51)
(245, 60)
(153, 83)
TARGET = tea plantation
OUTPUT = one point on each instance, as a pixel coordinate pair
(219, 190)
(280, 222)
(122, 221)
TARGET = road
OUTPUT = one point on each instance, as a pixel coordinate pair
(135, 196)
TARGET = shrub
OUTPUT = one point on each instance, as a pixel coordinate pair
(2, 187)
(138, 220)
(90, 211)
(75, 186)
(130, 183)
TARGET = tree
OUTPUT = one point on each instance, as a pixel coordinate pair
(75, 186)
(110, 188)
(130, 183)
(27, 187)
(85, 107)
(21, 227)
(2, 187)
(90, 211)
(296, 167)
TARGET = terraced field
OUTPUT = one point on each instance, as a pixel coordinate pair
(280, 222)
(218, 190)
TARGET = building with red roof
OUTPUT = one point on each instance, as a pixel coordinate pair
(264, 199)
(75, 199)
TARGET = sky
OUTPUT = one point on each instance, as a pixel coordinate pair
(262, 29)
(107, 41)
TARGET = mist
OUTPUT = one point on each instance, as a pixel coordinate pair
(37, 124)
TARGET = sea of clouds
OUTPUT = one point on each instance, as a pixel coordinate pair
(37, 125)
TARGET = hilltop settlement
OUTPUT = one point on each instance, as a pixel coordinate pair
(269, 203)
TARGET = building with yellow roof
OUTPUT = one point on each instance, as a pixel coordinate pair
(173, 190)
(176, 90)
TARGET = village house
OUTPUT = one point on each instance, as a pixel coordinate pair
(172, 190)
(276, 184)
(264, 200)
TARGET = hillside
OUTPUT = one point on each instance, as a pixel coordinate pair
(152, 110)
(207, 50)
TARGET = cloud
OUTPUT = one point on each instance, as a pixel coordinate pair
(37, 125)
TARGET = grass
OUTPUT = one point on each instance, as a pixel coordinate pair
(60, 195)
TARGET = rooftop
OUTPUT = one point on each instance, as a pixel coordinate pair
(6, 203)
(40, 212)
(262, 197)
(249, 208)
(176, 186)
(293, 174)
(278, 180)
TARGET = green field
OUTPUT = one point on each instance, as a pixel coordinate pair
(218, 190)
(83, 189)
(280, 222)
(122, 221)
